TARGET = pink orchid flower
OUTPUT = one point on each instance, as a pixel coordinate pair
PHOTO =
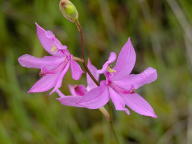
(119, 86)
(54, 67)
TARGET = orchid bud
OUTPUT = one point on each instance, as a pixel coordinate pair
(68, 10)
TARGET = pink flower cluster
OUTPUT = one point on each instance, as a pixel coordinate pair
(119, 85)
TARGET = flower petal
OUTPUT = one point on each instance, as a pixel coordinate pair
(110, 60)
(49, 42)
(76, 70)
(34, 62)
(59, 79)
(77, 90)
(135, 81)
(139, 105)
(117, 101)
(125, 61)
(68, 100)
(95, 98)
(44, 84)
(90, 83)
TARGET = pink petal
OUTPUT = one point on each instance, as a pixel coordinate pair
(76, 70)
(95, 98)
(77, 90)
(118, 101)
(44, 84)
(49, 42)
(110, 60)
(135, 81)
(90, 83)
(139, 105)
(59, 79)
(125, 61)
(51, 80)
(34, 62)
(68, 100)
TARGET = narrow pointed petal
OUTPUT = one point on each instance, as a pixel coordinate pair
(111, 59)
(77, 90)
(44, 84)
(139, 105)
(76, 70)
(135, 81)
(49, 42)
(125, 61)
(34, 62)
(90, 83)
(59, 79)
(117, 101)
(147, 76)
(68, 100)
(95, 98)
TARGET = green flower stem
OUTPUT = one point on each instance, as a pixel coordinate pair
(112, 124)
(83, 52)
(103, 110)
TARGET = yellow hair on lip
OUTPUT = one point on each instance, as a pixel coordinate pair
(53, 49)
(110, 69)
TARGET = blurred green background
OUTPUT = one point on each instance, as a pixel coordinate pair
(161, 31)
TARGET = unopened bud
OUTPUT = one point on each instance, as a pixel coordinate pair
(68, 10)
